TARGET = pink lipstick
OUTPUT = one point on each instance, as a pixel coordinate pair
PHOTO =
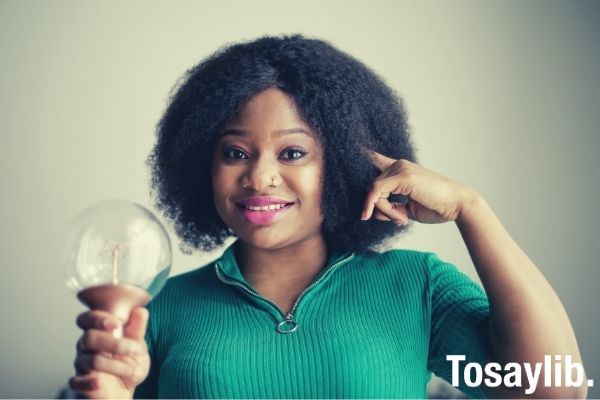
(263, 210)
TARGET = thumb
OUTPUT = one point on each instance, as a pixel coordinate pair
(136, 326)
(394, 211)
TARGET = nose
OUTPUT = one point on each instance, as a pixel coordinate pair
(260, 174)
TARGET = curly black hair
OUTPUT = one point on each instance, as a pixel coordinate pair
(347, 104)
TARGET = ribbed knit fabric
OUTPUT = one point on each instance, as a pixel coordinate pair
(370, 325)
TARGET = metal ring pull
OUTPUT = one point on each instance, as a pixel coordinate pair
(287, 326)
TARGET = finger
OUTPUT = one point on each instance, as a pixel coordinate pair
(378, 215)
(381, 189)
(96, 341)
(95, 319)
(380, 161)
(88, 362)
(395, 212)
(403, 209)
(138, 322)
(83, 383)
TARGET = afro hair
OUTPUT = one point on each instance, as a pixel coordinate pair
(347, 104)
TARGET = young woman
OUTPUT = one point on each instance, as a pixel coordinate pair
(300, 151)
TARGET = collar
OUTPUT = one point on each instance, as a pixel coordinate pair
(228, 266)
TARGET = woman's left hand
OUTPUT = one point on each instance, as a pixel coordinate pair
(432, 198)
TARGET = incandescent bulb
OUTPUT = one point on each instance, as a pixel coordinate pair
(117, 256)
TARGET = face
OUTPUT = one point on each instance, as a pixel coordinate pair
(267, 174)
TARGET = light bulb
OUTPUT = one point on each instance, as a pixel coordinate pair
(117, 256)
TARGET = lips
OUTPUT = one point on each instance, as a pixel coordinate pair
(263, 210)
(262, 201)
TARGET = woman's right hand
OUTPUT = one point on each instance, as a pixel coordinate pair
(109, 367)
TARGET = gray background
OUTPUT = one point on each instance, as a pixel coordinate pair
(501, 96)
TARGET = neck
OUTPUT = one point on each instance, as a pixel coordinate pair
(281, 270)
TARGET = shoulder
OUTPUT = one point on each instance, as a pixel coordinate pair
(183, 287)
(197, 276)
(194, 279)
(403, 269)
(423, 267)
(404, 260)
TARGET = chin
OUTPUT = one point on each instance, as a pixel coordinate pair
(264, 242)
(265, 239)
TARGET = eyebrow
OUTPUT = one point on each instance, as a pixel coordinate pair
(240, 132)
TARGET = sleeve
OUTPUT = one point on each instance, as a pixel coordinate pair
(459, 322)
(148, 389)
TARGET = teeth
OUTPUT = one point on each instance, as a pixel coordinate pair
(270, 207)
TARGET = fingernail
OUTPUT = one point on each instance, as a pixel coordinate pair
(118, 332)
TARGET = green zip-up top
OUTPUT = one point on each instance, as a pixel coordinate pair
(370, 325)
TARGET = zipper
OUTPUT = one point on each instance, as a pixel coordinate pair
(289, 323)
(244, 288)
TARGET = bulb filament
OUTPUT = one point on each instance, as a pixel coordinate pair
(115, 259)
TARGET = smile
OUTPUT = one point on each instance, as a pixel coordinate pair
(263, 215)
(265, 208)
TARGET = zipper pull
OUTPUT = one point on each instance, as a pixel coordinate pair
(288, 325)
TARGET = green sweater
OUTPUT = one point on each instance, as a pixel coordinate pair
(370, 325)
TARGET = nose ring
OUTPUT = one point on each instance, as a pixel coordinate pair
(272, 181)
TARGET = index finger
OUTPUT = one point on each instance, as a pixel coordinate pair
(100, 320)
(380, 161)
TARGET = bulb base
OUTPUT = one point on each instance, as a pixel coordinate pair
(119, 299)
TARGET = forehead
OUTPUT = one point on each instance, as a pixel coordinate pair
(271, 110)
(274, 134)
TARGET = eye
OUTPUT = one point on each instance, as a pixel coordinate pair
(292, 154)
(234, 154)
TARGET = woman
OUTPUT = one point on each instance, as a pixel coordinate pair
(300, 151)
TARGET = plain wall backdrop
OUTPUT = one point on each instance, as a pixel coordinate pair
(502, 96)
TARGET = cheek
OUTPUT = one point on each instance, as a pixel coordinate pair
(221, 180)
(220, 192)
(310, 181)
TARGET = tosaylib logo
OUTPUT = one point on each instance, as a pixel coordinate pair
(557, 373)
